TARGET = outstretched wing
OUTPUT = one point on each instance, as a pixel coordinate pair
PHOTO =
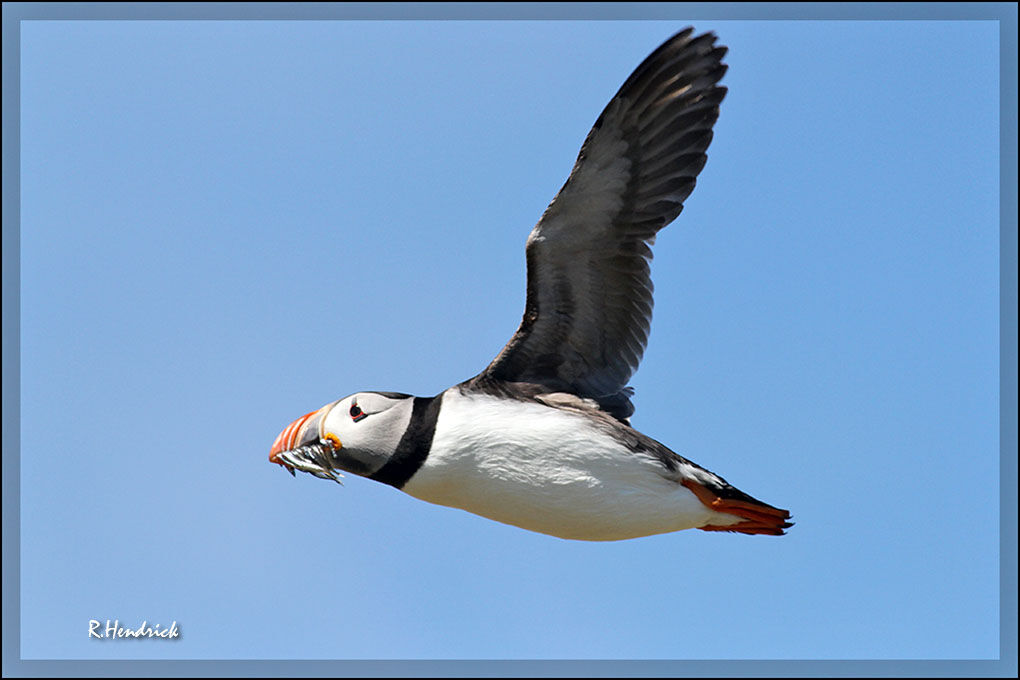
(589, 301)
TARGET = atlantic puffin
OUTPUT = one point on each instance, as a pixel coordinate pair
(541, 439)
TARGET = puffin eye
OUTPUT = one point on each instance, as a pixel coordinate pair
(356, 412)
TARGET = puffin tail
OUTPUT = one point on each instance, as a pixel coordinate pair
(757, 517)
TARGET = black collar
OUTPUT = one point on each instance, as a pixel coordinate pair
(414, 445)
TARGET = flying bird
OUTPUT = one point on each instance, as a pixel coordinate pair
(541, 439)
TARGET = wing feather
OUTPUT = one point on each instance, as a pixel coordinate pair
(589, 301)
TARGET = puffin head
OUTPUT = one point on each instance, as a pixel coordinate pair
(357, 434)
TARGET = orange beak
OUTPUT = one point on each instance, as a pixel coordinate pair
(285, 440)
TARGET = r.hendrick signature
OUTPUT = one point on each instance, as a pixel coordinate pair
(115, 630)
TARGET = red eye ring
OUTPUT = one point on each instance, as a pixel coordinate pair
(356, 412)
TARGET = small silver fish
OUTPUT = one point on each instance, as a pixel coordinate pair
(316, 459)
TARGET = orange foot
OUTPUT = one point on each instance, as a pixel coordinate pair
(759, 518)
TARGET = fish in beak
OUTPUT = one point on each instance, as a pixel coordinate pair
(300, 446)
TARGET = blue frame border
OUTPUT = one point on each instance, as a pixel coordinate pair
(1005, 13)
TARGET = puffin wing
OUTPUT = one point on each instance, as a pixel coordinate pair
(589, 300)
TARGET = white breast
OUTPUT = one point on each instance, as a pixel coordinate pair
(551, 471)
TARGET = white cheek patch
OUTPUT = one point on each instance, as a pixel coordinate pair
(364, 445)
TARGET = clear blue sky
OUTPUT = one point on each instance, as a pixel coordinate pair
(228, 224)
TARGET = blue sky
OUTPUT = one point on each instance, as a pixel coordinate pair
(228, 224)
